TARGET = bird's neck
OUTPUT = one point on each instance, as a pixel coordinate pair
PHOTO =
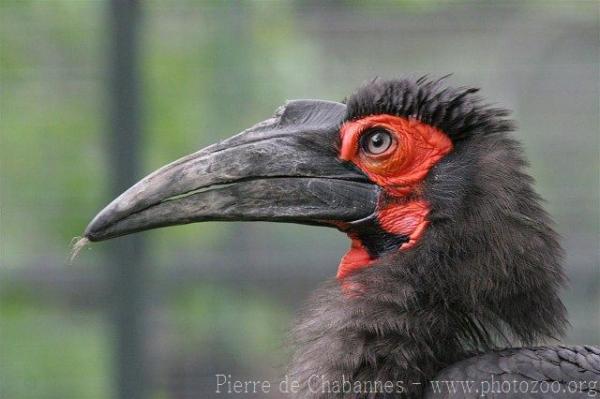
(487, 267)
(410, 314)
(382, 335)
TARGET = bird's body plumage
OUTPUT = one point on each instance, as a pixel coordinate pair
(560, 372)
(446, 268)
(485, 274)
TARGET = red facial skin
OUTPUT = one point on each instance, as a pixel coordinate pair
(416, 147)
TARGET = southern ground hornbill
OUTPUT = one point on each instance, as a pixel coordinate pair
(452, 257)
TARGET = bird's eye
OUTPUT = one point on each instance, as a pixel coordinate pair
(376, 141)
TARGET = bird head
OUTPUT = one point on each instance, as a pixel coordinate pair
(414, 172)
(314, 163)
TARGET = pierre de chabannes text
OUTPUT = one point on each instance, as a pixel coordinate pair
(227, 385)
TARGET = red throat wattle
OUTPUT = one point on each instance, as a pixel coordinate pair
(416, 147)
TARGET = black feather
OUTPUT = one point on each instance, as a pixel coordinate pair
(458, 112)
(486, 273)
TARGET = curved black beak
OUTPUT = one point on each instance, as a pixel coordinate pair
(285, 169)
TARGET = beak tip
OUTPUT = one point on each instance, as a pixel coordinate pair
(90, 237)
(98, 226)
(91, 234)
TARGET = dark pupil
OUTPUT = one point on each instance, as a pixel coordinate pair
(377, 140)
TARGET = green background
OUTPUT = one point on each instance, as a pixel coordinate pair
(220, 297)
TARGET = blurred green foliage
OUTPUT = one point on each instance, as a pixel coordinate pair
(209, 311)
(50, 353)
(51, 106)
(210, 69)
(54, 173)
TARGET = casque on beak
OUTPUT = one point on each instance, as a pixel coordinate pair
(285, 169)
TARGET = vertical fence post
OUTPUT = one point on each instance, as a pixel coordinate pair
(126, 269)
